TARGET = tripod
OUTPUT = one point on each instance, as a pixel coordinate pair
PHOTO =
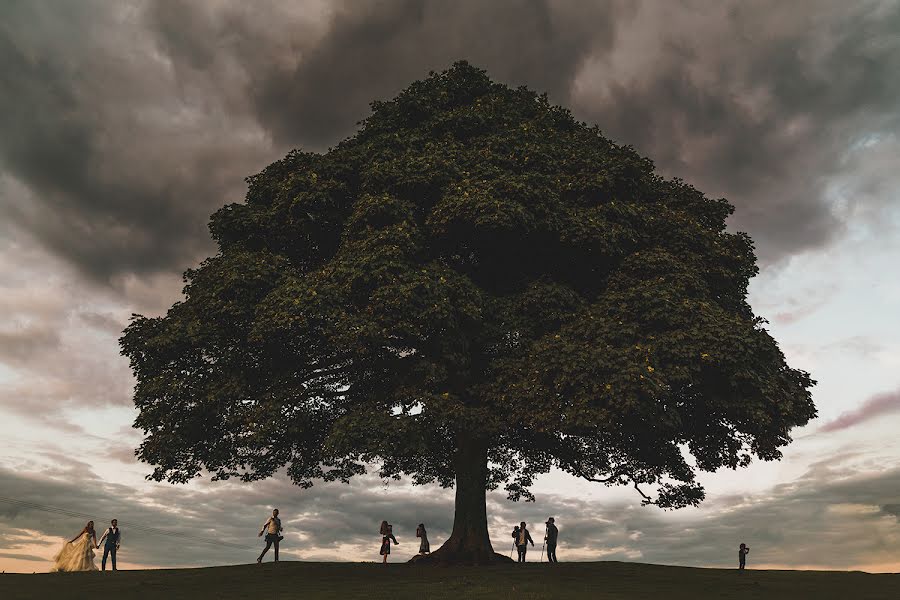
(544, 542)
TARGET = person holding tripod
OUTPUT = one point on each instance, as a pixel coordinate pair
(550, 537)
(522, 540)
(515, 538)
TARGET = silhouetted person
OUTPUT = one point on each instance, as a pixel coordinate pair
(387, 535)
(424, 547)
(552, 535)
(272, 528)
(742, 556)
(113, 539)
(522, 540)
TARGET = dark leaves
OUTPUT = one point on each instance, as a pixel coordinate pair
(473, 264)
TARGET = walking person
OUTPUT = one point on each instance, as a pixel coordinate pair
(424, 547)
(78, 553)
(550, 538)
(742, 556)
(387, 534)
(522, 541)
(272, 528)
(113, 538)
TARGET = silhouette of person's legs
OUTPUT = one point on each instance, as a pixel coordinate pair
(266, 549)
(522, 550)
(276, 549)
(551, 553)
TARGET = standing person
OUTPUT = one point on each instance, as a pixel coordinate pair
(424, 547)
(522, 541)
(387, 534)
(550, 538)
(113, 539)
(78, 553)
(742, 556)
(272, 528)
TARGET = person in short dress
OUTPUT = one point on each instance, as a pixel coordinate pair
(272, 528)
(424, 547)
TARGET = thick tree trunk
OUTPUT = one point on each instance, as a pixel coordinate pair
(469, 543)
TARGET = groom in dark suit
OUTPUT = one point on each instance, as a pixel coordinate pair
(113, 538)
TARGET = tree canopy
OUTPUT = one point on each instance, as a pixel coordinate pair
(473, 289)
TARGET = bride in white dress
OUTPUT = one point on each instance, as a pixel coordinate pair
(78, 554)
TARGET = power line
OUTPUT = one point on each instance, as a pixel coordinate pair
(130, 526)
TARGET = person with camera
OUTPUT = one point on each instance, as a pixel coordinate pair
(743, 550)
(522, 538)
(272, 528)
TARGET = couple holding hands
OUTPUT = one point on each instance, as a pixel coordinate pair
(78, 553)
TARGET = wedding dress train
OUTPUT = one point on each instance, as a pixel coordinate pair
(76, 556)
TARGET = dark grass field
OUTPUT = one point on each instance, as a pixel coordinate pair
(599, 580)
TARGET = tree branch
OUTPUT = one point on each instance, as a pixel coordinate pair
(616, 475)
(647, 499)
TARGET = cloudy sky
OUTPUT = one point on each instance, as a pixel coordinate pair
(124, 125)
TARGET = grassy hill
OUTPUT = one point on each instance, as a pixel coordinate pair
(597, 581)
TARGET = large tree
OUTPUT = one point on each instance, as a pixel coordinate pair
(472, 290)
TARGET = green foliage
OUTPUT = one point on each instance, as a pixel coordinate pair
(473, 264)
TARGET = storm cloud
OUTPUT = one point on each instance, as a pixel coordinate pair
(109, 158)
(373, 50)
(763, 103)
(126, 125)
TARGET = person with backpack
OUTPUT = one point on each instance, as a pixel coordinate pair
(522, 538)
